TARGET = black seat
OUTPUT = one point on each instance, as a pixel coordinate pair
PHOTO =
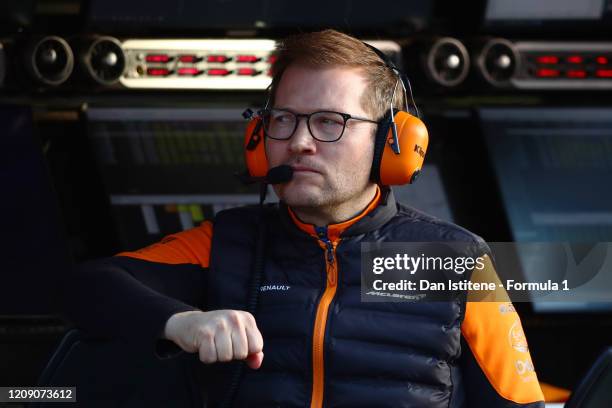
(595, 389)
(113, 374)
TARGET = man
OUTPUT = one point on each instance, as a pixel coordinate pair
(312, 341)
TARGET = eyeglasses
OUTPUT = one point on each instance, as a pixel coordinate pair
(324, 126)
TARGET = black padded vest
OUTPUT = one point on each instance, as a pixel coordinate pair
(375, 354)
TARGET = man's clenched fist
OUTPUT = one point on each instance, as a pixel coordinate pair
(220, 335)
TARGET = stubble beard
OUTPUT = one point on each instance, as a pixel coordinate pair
(330, 198)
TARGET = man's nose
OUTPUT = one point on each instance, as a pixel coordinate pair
(302, 141)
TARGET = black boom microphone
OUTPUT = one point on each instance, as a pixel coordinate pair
(276, 175)
(279, 174)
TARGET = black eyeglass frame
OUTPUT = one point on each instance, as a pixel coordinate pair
(345, 116)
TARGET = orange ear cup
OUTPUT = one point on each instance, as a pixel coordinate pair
(403, 168)
(254, 149)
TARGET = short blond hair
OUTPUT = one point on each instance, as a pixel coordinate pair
(331, 48)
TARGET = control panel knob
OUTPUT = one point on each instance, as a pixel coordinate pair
(49, 60)
(447, 62)
(104, 60)
(498, 62)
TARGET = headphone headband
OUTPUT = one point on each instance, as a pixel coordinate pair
(402, 78)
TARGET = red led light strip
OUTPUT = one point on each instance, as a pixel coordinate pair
(247, 71)
(604, 73)
(157, 58)
(189, 71)
(247, 58)
(219, 72)
(548, 59)
(217, 58)
(547, 73)
(158, 71)
(188, 58)
(576, 73)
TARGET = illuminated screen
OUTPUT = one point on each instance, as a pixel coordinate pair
(554, 168)
(167, 170)
(544, 10)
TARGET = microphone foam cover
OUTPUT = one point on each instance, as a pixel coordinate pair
(279, 174)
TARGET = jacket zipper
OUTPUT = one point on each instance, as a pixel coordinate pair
(331, 268)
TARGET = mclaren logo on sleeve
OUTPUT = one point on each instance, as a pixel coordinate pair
(517, 338)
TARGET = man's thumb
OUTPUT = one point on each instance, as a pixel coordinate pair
(254, 360)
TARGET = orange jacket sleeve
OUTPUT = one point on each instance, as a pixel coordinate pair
(497, 367)
(187, 247)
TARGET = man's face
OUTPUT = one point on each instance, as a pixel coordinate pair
(326, 174)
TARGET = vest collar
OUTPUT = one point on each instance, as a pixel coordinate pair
(380, 210)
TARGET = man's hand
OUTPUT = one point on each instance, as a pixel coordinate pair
(220, 335)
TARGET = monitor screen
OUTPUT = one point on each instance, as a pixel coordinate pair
(168, 169)
(554, 167)
(193, 15)
(540, 10)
